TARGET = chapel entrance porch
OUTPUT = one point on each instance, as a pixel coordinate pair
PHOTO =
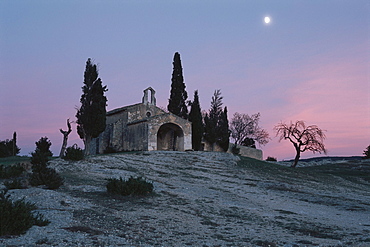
(170, 137)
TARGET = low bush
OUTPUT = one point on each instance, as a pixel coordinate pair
(235, 150)
(16, 183)
(16, 217)
(110, 150)
(43, 175)
(9, 148)
(74, 153)
(271, 159)
(132, 186)
(11, 171)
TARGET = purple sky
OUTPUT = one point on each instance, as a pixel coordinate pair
(310, 63)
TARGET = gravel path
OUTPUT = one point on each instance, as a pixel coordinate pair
(200, 199)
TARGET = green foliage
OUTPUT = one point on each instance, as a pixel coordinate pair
(211, 119)
(110, 150)
(178, 96)
(11, 171)
(14, 160)
(74, 153)
(16, 183)
(271, 159)
(17, 217)
(249, 142)
(8, 148)
(42, 151)
(43, 175)
(235, 150)
(91, 115)
(197, 127)
(367, 152)
(223, 131)
(216, 124)
(132, 186)
(210, 129)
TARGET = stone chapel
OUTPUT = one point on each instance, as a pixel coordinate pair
(143, 127)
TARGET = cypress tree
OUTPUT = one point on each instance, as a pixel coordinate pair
(197, 127)
(209, 130)
(211, 119)
(91, 116)
(14, 149)
(14, 144)
(178, 95)
(223, 131)
(216, 129)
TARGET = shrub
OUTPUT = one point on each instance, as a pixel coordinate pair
(17, 217)
(11, 171)
(249, 142)
(110, 150)
(17, 183)
(8, 148)
(132, 186)
(42, 151)
(74, 153)
(271, 159)
(43, 175)
(235, 150)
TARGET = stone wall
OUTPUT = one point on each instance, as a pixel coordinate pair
(136, 137)
(248, 152)
(135, 128)
(157, 121)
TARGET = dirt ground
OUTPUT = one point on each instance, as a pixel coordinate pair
(203, 199)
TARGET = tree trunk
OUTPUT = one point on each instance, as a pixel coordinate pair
(87, 142)
(65, 139)
(296, 159)
(64, 146)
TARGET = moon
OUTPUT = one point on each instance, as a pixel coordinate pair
(267, 20)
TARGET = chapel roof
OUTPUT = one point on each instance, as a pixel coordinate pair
(121, 109)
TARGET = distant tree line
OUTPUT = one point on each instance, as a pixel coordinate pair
(9, 147)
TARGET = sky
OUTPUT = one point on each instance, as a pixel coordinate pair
(310, 63)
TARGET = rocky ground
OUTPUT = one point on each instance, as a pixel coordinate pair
(202, 199)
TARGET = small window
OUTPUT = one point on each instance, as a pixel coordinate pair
(148, 114)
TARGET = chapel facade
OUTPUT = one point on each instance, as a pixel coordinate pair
(143, 127)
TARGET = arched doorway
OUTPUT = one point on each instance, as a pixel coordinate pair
(170, 137)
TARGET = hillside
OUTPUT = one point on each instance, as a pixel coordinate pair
(203, 199)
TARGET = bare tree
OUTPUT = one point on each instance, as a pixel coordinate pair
(303, 137)
(65, 138)
(245, 127)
